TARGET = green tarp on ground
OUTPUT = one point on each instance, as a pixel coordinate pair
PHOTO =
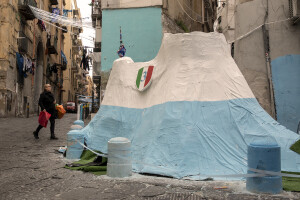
(88, 163)
(290, 183)
(296, 147)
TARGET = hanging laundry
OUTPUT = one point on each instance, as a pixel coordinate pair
(55, 15)
(20, 63)
(48, 70)
(41, 24)
(32, 69)
(54, 68)
(27, 65)
(66, 12)
(85, 61)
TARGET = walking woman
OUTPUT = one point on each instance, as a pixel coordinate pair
(47, 103)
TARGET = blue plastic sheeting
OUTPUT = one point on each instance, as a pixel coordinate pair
(264, 157)
(189, 138)
(286, 81)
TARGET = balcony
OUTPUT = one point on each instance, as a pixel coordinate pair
(64, 29)
(53, 2)
(23, 43)
(24, 9)
(96, 13)
(52, 45)
(77, 30)
(97, 47)
(74, 66)
(78, 76)
(96, 10)
(64, 61)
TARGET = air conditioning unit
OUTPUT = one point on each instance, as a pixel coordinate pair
(295, 11)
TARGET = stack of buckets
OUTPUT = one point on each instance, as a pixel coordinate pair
(75, 149)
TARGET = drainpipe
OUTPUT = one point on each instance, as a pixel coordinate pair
(266, 39)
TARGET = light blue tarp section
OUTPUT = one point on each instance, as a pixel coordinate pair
(180, 139)
(286, 81)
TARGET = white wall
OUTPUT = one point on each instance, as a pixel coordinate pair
(249, 52)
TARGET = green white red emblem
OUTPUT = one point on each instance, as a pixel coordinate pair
(144, 78)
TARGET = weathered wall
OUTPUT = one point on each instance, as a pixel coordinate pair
(14, 95)
(285, 65)
(249, 52)
(284, 52)
(284, 37)
(8, 41)
(141, 32)
(190, 15)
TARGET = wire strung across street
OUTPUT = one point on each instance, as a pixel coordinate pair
(52, 17)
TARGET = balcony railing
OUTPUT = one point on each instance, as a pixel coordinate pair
(23, 43)
(96, 11)
(53, 2)
(97, 47)
(64, 29)
(74, 66)
(77, 30)
(24, 9)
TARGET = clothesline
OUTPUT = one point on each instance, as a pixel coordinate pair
(56, 18)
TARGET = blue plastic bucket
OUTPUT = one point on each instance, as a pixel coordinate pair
(264, 157)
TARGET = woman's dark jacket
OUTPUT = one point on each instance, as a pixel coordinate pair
(46, 101)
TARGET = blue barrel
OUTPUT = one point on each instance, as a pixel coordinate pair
(79, 122)
(264, 157)
(119, 157)
(74, 149)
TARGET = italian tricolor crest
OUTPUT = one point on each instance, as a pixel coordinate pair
(143, 79)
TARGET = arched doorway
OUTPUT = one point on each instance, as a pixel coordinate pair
(38, 75)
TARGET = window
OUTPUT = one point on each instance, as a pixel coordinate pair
(42, 4)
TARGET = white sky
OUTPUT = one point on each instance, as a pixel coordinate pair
(88, 34)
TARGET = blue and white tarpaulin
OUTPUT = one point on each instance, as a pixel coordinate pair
(197, 116)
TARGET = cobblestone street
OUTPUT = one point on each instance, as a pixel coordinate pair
(33, 169)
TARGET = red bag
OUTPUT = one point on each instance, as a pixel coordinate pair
(43, 118)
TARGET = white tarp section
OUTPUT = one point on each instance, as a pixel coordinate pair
(196, 118)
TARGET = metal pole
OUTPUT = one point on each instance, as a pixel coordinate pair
(99, 92)
(27, 110)
(93, 99)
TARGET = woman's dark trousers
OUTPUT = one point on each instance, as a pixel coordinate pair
(52, 127)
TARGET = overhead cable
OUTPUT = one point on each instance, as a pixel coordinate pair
(248, 33)
(55, 18)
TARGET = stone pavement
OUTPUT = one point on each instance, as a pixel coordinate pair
(32, 169)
